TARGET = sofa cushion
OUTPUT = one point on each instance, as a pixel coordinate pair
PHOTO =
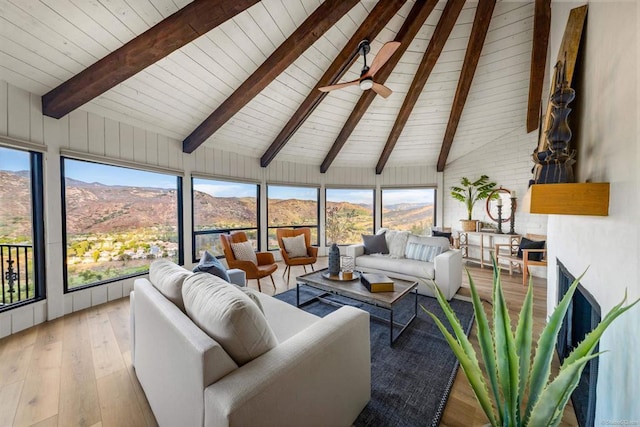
(243, 251)
(397, 242)
(422, 252)
(168, 277)
(405, 266)
(253, 295)
(295, 246)
(284, 319)
(375, 244)
(429, 241)
(531, 244)
(228, 316)
(210, 264)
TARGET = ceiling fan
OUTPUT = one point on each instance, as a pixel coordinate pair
(365, 81)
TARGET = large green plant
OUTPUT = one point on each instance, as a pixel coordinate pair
(507, 358)
(470, 192)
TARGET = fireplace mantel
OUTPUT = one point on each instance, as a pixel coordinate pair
(587, 198)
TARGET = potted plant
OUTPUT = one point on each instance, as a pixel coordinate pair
(509, 366)
(469, 192)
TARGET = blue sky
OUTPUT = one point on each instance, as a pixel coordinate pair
(115, 175)
(413, 195)
(14, 160)
(224, 188)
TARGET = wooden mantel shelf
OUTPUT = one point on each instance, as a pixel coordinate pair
(568, 199)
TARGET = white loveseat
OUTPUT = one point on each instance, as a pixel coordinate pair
(445, 270)
(319, 373)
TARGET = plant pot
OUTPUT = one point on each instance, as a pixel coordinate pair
(468, 224)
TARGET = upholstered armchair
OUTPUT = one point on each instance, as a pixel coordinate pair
(307, 259)
(265, 266)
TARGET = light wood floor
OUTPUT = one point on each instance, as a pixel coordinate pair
(76, 370)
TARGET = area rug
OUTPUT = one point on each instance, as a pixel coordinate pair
(411, 381)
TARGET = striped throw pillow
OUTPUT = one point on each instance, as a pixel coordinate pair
(422, 252)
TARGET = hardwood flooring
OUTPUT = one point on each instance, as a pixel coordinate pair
(76, 370)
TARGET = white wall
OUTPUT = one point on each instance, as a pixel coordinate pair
(101, 139)
(507, 162)
(608, 246)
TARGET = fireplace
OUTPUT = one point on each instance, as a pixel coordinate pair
(583, 315)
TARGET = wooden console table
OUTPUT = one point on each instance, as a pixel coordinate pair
(483, 241)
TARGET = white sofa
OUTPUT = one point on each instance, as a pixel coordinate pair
(445, 270)
(319, 373)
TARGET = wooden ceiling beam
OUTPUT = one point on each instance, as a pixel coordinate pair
(323, 18)
(541, 28)
(436, 44)
(412, 24)
(177, 30)
(369, 29)
(471, 58)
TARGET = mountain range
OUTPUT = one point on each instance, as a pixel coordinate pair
(99, 208)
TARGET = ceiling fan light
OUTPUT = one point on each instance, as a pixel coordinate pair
(366, 84)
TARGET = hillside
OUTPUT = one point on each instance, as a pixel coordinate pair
(98, 208)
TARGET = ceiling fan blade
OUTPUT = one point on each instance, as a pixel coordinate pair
(338, 86)
(381, 90)
(382, 57)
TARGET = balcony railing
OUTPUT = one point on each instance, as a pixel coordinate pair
(18, 279)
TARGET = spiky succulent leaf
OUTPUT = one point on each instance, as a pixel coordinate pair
(487, 349)
(470, 367)
(541, 367)
(549, 407)
(524, 338)
(508, 360)
(591, 339)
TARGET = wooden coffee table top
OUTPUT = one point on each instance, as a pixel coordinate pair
(356, 290)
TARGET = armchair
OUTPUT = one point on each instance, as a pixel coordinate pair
(266, 263)
(530, 251)
(312, 252)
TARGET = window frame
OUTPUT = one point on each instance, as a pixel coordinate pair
(316, 226)
(427, 187)
(36, 176)
(373, 211)
(195, 233)
(179, 219)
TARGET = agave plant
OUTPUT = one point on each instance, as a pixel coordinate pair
(509, 368)
(469, 192)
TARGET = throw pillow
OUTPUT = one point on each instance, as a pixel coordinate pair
(253, 294)
(531, 244)
(210, 264)
(228, 316)
(295, 246)
(398, 244)
(422, 252)
(436, 233)
(168, 278)
(243, 251)
(375, 244)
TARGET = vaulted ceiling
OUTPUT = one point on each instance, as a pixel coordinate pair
(243, 75)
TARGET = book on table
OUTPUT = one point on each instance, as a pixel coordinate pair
(376, 282)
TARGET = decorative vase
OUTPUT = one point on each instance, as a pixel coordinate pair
(334, 260)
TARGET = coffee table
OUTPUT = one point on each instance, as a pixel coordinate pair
(358, 292)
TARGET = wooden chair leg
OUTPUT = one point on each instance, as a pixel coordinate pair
(274, 283)
(259, 288)
(288, 277)
(312, 269)
(305, 268)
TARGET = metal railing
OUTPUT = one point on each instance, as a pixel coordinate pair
(18, 278)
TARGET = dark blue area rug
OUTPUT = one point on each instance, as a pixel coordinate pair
(411, 381)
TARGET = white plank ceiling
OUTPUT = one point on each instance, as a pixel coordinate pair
(45, 42)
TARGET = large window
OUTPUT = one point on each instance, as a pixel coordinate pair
(221, 207)
(117, 220)
(21, 228)
(289, 207)
(349, 214)
(411, 209)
